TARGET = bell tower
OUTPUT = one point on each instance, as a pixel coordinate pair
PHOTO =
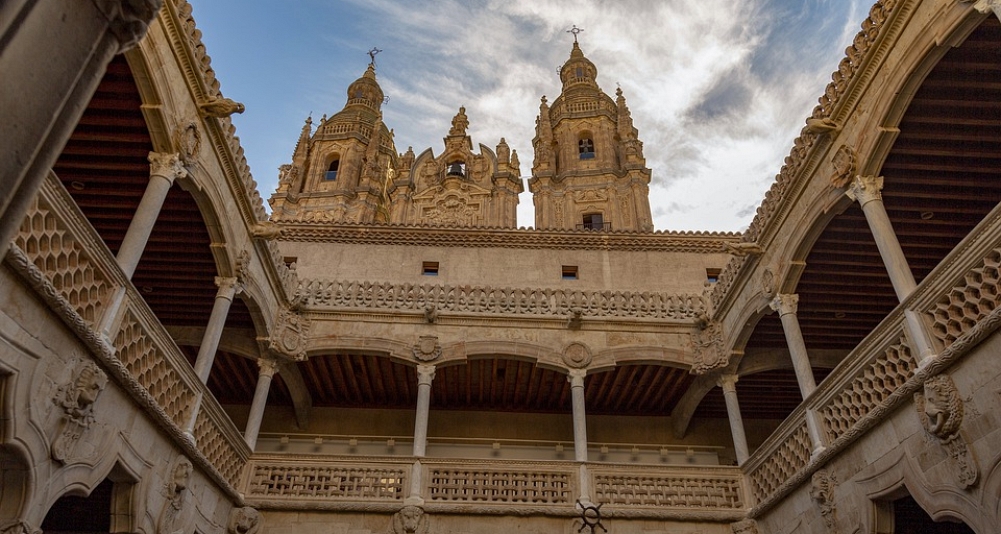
(589, 171)
(341, 172)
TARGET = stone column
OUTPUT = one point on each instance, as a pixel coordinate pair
(425, 374)
(787, 305)
(228, 288)
(268, 368)
(163, 170)
(48, 83)
(866, 191)
(576, 379)
(729, 385)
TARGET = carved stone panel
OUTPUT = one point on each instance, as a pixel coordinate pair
(940, 409)
(410, 520)
(427, 349)
(707, 344)
(288, 337)
(174, 515)
(244, 520)
(76, 399)
(577, 355)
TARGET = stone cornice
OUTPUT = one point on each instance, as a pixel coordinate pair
(524, 238)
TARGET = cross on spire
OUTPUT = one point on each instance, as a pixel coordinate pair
(371, 55)
(575, 30)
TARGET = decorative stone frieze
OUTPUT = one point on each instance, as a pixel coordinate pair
(245, 520)
(492, 300)
(410, 519)
(427, 349)
(709, 351)
(822, 486)
(288, 336)
(940, 409)
(845, 167)
(76, 399)
(577, 355)
(173, 516)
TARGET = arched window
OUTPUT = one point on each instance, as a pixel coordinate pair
(585, 147)
(332, 169)
(593, 221)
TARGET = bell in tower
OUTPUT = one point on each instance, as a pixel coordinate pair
(589, 172)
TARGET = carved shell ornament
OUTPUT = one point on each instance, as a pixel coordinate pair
(577, 355)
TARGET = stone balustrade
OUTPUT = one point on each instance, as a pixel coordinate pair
(958, 306)
(490, 486)
(58, 250)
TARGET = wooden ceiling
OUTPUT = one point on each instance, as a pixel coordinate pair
(938, 186)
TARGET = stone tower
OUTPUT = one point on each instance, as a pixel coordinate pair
(341, 172)
(589, 171)
(459, 187)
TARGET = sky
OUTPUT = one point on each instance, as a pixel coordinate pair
(717, 89)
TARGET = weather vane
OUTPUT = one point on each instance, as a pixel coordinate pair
(575, 30)
(371, 54)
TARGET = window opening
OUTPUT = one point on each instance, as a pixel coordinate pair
(429, 268)
(569, 272)
(712, 275)
(594, 221)
(586, 148)
(332, 170)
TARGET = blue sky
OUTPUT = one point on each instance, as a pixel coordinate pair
(718, 89)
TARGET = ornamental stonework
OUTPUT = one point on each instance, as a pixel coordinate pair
(427, 349)
(577, 355)
(288, 336)
(709, 351)
(76, 400)
(940, 409)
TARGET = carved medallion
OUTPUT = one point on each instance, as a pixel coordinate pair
(76, 399)
(844, 166)
(289, 335)
(427, 349)
(577, 355)
(709, 352)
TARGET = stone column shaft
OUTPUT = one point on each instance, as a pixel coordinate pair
(729, 385)
(267, 372)
(163, 169)
(786, 305)
(576, 379)
(866, 191)
(213, 331)
(425, 375)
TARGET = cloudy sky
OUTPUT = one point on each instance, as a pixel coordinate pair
(718, 89)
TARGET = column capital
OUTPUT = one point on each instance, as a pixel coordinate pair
(986, 6)
(166, 165)
(865, 189)
(228, 286)
(727, 382)
(267, 367)
(129, 20)
(785, 303)
(576, 377)
(425, 374)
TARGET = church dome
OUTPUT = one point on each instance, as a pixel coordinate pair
(578, 70)
(365, 91)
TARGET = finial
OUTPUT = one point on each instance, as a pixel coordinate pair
(371, 55)
(575, 30)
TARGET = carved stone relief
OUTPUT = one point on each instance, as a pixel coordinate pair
(844, 166)
(707, 344)
(76, 399)
(822, 486)
(410, 520)
(244, 520)
(747, 526)
(940, 409)
(187, 141)
(288, 337)
(427, 349)
(173, 515)
(767, 282)
(577, 355)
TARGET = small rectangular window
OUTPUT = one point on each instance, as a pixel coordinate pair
(289, 261)
(429, 268)
(569, 272)
(712, 275)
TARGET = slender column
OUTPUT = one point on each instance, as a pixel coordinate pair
(163, 170)
(866, 191)
(425, 374)
(576, 379)
(228, 287)
(268, 368)
(729, 385)
(787, 305)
